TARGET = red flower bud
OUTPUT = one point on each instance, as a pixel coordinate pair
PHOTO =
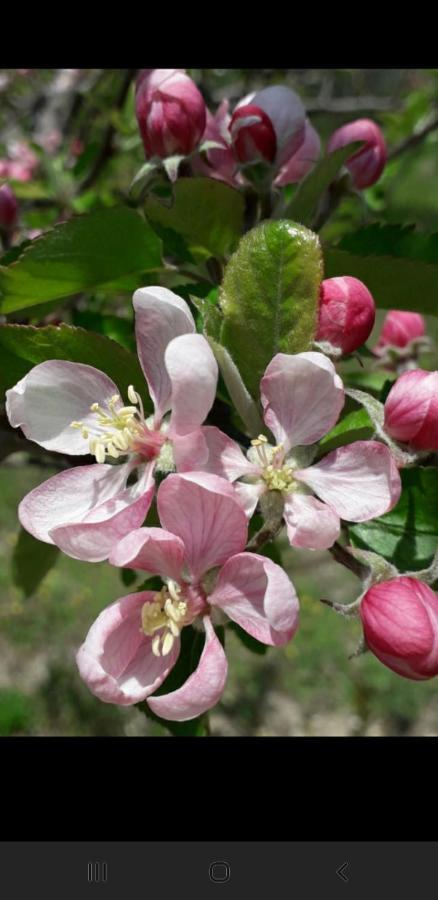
(171, 112)
(366, 166)
(287, 115)
(411, 410)
(400, 328)
(252, 135)
(400, 623)
(346, 313)
(302, 160)
(8, 208)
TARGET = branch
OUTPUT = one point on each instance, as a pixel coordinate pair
(107, 149)
(345, 558)
(413, 140)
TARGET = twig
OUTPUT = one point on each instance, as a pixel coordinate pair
(107, 149)
(267, 533)
(345, 558)
(413, 140)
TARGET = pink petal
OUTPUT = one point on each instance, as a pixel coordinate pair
(249, 495)
(116, 660)
(160, 316)
(203, 511)
(302, 397)
(93, 539)
(202, 690)
(52, 396)
(310, 523)
(151, 549)
(257, 594)
(359, 481)
(69, 496)
(193, 373)
(210, 450)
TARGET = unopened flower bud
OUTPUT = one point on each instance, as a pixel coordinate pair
(399, 329)
(302, 160)
(286, 114)
(8, 208)
(252, 135)
(400, 623)
(346, 313)
(411, 410)
(170, 111)
(365, 166)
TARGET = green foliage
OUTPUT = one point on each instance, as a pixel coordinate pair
(23, 346)
(305, 200)
(77, 255)
(355, 426)
(31, 560)
(269, 296)
(206, 213)
(408, 535)
(16, 713)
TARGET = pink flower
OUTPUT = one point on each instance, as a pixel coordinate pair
(76, 409)
(171, 112)
(346, 313)
(302, 397)
(400, 622)
(399, 329)
(287, 115)
(302, 160)
(411, 410)
(8, 208)
(365, 166)
(218, 163)
(252, 135)
(22, 163)
(198, 553)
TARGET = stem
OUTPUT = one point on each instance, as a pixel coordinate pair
(413, 140)
(267, 532)
(107, 149)
(345, 558)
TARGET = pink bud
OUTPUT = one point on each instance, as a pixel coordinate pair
(170, 112)
(411, 410)
(400, 622)
(219, 162)
(302, 161)
(252, 135)
(346, 313)
(366, 166)
(8, 208)
(287, 115)
(400, 328)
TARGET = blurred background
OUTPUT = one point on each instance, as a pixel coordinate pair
(74, 135)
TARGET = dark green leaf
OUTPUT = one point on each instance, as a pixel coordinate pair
(269, 296)
(408, 535)
(303, 205)
(80, 254)
(355, 426)
(206, 213)
(31, 560)
(120, 330)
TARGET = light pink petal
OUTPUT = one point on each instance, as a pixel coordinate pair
(310, 523)
(257, 594)
(202, 690)
(302, 397)
(193, 372)
(69, 496)
(116, 659)
(160, 316)
(151, 549)
(249, 495)
(203, 511)
(52, 396)
(94, 537)
(359, 481)
(210, 450)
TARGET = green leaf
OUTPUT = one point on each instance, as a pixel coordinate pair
(31, 560)
(269, 296)
(207, 213)
(408, 535)
(305, 200)
(355, 426)
(120, 330)
(398, 264)
(23, 346)
(78, 255)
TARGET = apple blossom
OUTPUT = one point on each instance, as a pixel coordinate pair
(302, 160)
(252, 135)
(411, 410)
(8, 208)
(199, 555)
(170, 111)
(76, 409)
(400, 622)
(302, 397)
(399, 329)
(287, 115)
(217, 162)
(365, 166)
(346, 313)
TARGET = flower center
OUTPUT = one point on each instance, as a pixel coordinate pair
(277, 475)
(121, 429)
(165, 615)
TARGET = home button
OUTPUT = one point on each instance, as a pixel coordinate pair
(219, 871)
